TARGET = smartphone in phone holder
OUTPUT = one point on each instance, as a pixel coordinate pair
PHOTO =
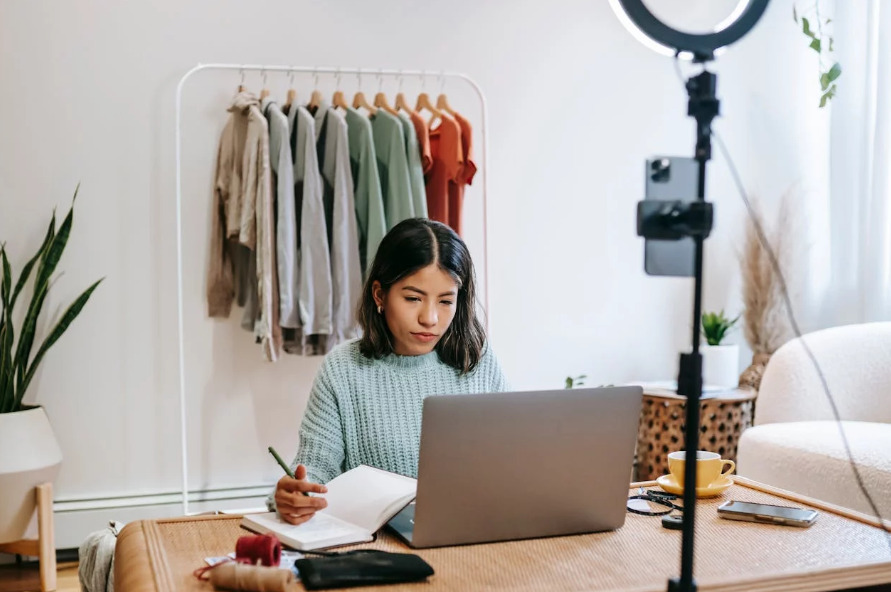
(670, 216)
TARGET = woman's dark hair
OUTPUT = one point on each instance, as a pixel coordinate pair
(411, 245)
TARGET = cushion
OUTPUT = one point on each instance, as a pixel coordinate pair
(809, 458)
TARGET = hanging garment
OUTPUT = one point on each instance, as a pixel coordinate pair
(423, 133)
(415, 169)
(372, 224)
(243, 215)
(445, 148)
(468, 170)
(282, 165)
(389, 145)
(332, 140)
(314, 262)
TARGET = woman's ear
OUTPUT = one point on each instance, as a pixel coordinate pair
(377, 292)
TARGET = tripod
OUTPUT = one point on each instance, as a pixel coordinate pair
(672, 220)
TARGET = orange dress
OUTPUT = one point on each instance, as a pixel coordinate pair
(447, 165)
(468, 170)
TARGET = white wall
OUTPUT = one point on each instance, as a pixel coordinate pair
(575, 106)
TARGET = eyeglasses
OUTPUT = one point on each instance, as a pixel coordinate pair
(652, 503)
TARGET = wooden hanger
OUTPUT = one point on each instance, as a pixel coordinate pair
(315, 99)
(292, 93)
(442, 103)
(380, 100)
(265, 91)
(241, 87)
(401, 103)
(338, 99)
(359, 100)
(424, 103)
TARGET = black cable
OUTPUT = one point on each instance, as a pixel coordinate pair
(775, 265)
(792, 321)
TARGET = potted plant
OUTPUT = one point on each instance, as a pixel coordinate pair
(720, 362)
(574, 381)
(29, 454)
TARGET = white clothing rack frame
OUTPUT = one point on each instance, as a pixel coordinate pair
(424, 74)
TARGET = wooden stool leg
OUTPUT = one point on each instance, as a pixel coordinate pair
(46, 537)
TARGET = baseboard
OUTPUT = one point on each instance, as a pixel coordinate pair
(75, 519)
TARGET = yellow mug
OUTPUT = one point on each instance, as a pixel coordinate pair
(709, 467)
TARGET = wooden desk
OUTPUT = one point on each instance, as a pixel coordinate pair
(841, 550)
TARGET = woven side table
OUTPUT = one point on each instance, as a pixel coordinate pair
(722, 420)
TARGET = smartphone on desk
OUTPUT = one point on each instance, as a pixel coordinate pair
(767, 513)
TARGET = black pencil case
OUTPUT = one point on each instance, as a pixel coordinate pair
(364, 567)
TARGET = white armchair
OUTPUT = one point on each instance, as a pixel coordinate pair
(795, 443)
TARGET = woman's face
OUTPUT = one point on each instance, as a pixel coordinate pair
(418, 309)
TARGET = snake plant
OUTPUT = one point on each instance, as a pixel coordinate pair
(17, 365)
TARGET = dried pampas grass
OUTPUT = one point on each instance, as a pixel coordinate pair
(765, 324)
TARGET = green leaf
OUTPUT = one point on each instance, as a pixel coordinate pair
(48, 240)
(56, 248)
(715, 326)
(48, 263)
(815, 45)
(794, 14)
(26, 272)
(829, 20)
(830, 44)
(824, 81)
(26, 335)
(7, 279)
(6, 338)
(827, 96)
(7, 396)
(55, 334)
(806, 28)
(834, 72)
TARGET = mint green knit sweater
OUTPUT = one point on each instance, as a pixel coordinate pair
(366, 411)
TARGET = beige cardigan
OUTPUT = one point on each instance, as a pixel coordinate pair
(243, 214)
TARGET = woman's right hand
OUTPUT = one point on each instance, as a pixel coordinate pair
(292, 505)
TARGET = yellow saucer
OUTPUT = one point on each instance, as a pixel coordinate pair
(670, 484)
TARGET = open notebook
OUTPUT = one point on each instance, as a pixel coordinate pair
(360, 501)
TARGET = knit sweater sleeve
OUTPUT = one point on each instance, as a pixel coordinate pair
(496, 381)
(322, 448)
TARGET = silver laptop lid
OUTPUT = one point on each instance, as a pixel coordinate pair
(504, 466)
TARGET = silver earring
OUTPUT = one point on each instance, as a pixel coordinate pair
(380, 309)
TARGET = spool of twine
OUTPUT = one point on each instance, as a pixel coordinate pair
(251, 578)
(261, 548)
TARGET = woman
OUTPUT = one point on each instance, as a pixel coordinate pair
(420, 338)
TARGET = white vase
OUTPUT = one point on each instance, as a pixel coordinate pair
(720, 365)
(29, 456)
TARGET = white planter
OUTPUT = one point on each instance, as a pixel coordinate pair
(720, 365)
(29, 456)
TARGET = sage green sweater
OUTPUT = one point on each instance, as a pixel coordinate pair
(366, 411)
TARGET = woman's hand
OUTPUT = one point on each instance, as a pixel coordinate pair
(293, 506)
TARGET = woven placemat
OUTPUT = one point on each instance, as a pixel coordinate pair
(730, 555)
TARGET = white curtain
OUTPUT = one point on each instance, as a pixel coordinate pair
(859, 289)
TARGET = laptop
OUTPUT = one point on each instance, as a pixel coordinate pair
(506, 466)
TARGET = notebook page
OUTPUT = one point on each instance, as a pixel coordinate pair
(319, 531)
(368, 497)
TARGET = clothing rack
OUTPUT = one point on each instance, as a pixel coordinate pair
(316, 70)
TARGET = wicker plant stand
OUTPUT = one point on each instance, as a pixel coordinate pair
(662, 420)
